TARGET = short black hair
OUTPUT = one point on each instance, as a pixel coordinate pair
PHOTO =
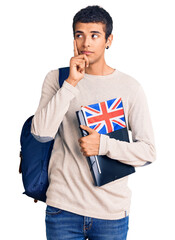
(94, 14)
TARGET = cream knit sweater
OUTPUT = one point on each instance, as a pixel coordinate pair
(71, 186)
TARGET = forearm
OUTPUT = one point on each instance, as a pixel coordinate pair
(135, 153)
(51, 110)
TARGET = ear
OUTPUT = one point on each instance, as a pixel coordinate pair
(109, 40)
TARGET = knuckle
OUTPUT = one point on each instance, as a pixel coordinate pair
(86, 152)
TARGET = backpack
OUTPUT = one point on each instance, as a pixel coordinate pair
(35, 156)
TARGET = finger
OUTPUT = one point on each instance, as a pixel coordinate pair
(79, 61)
(80, 64)
(81, 70)
(83, 56)
(90, 130)
(75, 49)
(86, 59)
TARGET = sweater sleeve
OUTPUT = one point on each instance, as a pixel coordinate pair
(141, 150)
(53, 105)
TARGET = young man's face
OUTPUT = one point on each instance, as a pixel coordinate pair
(90, 40)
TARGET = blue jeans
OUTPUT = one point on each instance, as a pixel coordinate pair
(61, 224)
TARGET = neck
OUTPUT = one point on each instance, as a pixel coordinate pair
(99, 68)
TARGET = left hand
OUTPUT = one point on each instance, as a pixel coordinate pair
(91, 143)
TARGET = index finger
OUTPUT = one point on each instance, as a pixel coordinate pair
(75, 49)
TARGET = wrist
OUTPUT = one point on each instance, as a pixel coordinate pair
(72, 82)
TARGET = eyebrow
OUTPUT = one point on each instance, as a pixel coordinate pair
(91, 32)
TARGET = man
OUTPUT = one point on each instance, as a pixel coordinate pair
(76, 209)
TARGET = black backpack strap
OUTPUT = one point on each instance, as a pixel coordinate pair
(63, 75)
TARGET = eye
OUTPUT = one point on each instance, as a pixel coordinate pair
(78, 35)
(95, 35)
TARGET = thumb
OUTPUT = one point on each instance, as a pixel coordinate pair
(88, 129)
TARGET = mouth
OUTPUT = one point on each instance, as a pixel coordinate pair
(86, 52)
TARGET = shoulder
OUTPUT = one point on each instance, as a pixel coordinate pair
(132, 87)
(128, 81)
(51, 80)
(52, 75)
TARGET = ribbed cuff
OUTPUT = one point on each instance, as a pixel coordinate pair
(103, 144)
(71, 88)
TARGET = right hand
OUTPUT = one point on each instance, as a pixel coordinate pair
(78, 63)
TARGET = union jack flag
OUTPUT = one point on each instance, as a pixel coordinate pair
(105, 117)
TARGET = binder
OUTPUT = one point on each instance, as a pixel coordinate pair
(106, 118)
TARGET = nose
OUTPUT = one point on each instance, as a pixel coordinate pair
(86, 42)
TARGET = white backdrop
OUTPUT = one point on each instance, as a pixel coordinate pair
(36, 37)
